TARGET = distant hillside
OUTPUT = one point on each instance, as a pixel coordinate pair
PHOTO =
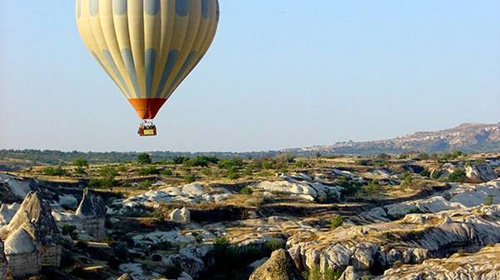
(468, 137)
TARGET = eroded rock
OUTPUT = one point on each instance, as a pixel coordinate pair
(280, 266)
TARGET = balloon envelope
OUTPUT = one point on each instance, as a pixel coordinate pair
(147, 47)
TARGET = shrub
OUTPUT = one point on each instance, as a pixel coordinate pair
(146, 184)
(80, 162)
(407, 180)
(167, 172)
(180, 160)
(235, 163)
(232, 174)
(457, 176)
(190, 178)
(149, 171)
(221, 244)
(80, 170)
(373, 188)
(144, 158)
(201, 161)
(246, 191)
(95, 183)
(316, 274)
(108, 174)
(54, 171)
(488, 201)
(337, 221)
(275, 244)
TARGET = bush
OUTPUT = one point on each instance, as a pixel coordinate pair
(54, 171)
(235, 163)
(337, 221)
(149, 171)
(275, 244)
(457, 176)
(80, 170)
(246, 191)
(488, 201)
(108, 174)
(146, 184)
(80, 162)
(144, 158)
(201, 161)
(167, 172)
(316, 274)
(373, 188)
(407, 180)
(232, 174)
(190, 178)
(221, 244)
(180, 160)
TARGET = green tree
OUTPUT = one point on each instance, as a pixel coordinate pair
(80, 162)
(144, 158)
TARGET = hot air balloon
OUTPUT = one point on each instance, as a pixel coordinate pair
(147, 47)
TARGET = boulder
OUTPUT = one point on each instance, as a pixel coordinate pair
(279, 267)
(480, 173)
(181, 216)
(349, 274)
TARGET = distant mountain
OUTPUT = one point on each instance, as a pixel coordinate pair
(468, 137)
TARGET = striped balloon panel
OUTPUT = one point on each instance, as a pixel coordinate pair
(147, 47)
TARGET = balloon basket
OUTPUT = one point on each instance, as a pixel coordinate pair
(147, 128)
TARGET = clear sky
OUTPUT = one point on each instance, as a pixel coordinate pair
(280, 74)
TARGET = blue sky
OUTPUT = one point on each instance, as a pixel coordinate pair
(280, 74)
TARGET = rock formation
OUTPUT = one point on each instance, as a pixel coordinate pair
(408, 241)
(3, 262)
(43, 229)
(279, 267)
(23, 252)
(181, 216)
(480, 173)
(482, 265)
(89, 216)
(7, 212)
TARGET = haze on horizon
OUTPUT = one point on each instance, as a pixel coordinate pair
(280, 74)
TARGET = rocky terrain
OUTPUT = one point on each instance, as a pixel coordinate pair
(384, 217)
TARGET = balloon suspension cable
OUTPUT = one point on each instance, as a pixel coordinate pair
(147, 128)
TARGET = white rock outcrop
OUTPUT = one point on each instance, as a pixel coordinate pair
(181, 216)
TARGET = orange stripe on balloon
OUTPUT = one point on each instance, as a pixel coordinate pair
(147, 108)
